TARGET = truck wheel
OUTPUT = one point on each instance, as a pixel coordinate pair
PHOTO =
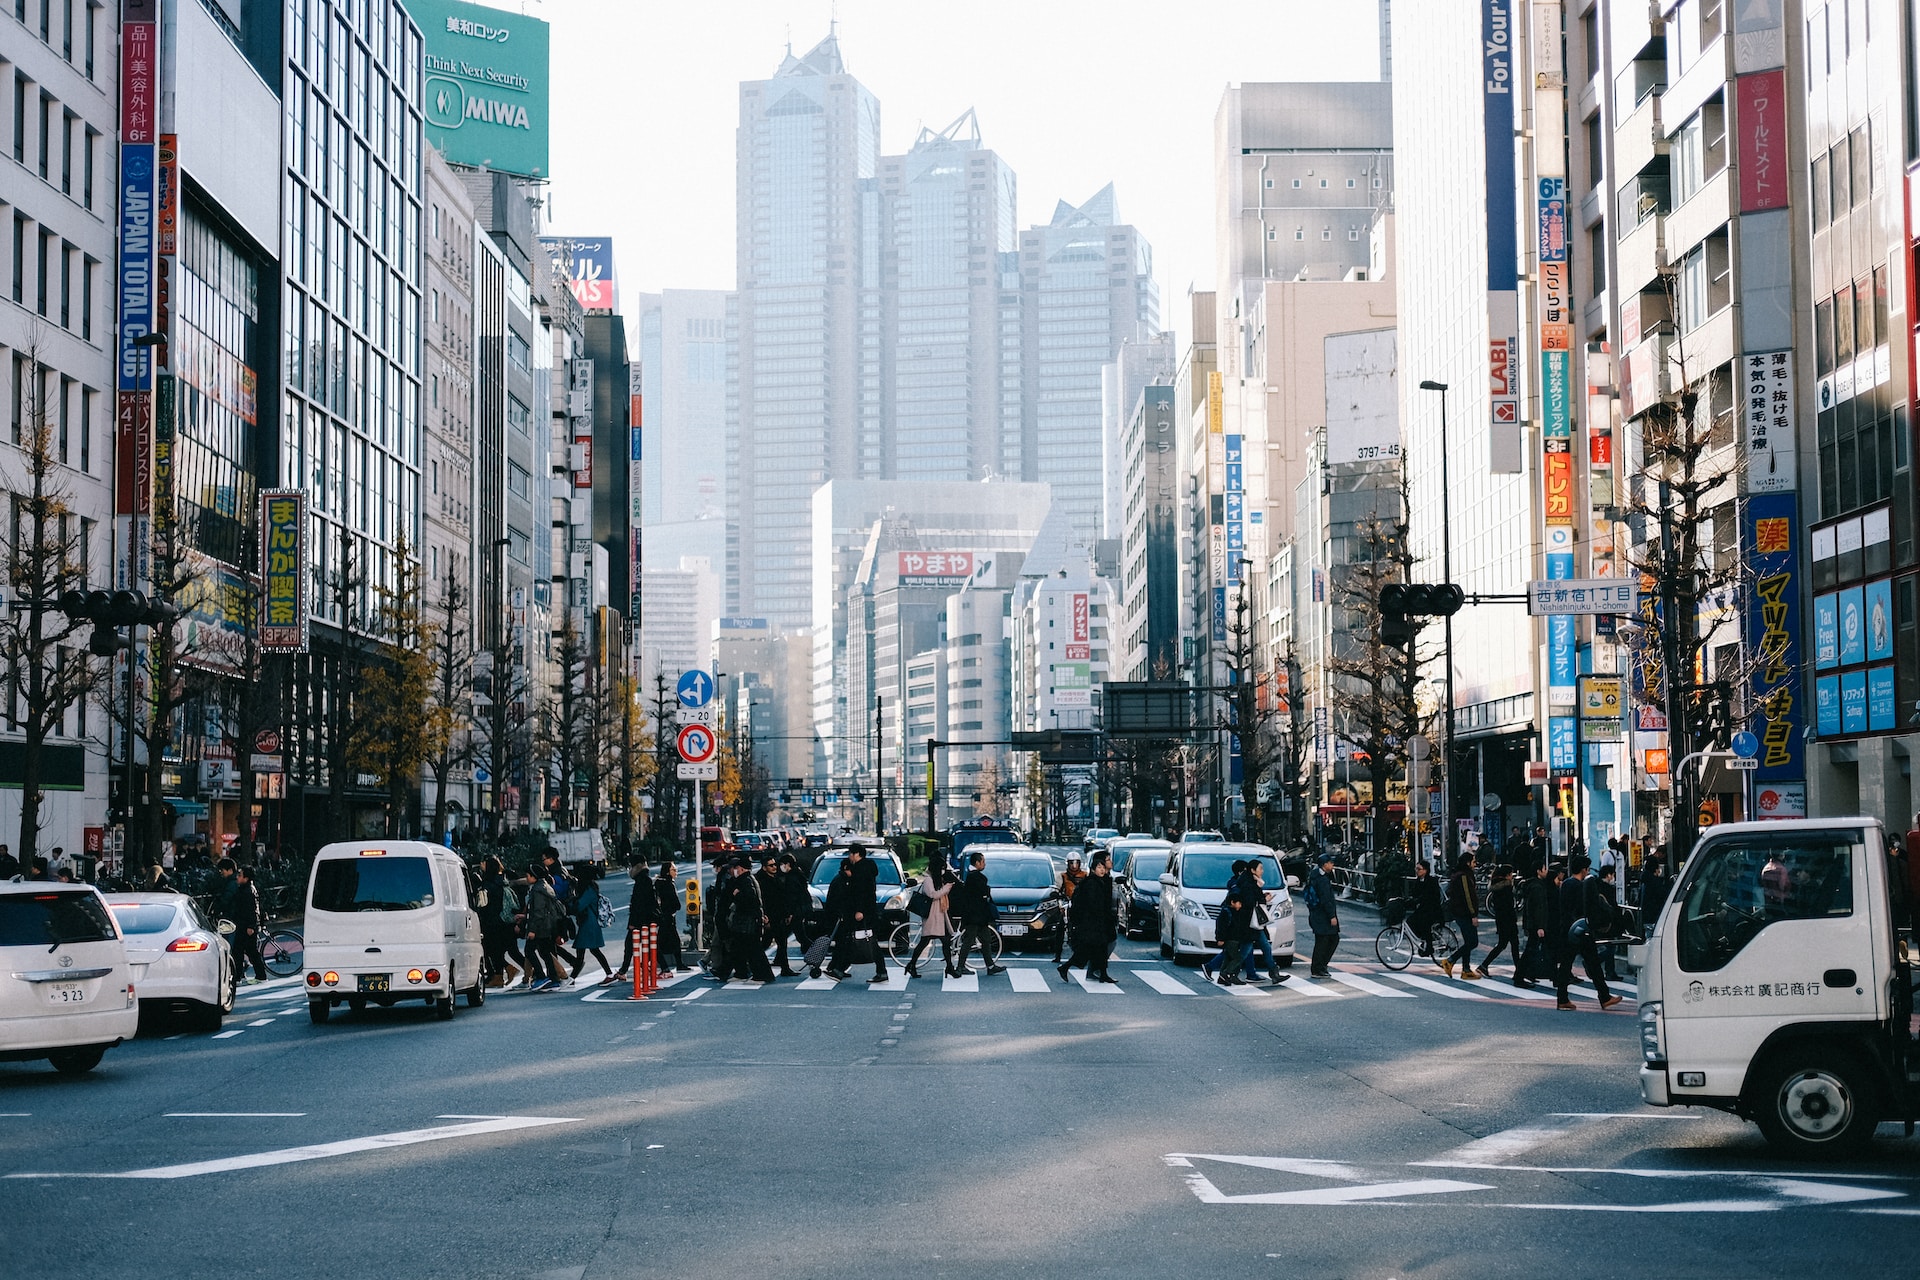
(1814, 1104)
(318, 1011)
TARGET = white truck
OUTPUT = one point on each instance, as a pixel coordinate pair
(1777, 986)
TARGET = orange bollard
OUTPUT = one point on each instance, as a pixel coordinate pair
(639, 963)
(653, 957)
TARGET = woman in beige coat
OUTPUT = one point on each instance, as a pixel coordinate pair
(938, 886)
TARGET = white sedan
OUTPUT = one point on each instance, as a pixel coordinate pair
(1195, 884)
(181, 964)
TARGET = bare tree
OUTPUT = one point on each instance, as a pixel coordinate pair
(450, 714)
(1252, 713)
(567, 722)
(45, 554)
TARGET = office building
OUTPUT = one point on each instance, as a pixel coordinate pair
(1139, 363)
(681, 607)
(1147, 622)
(684, 353)
(447, 554)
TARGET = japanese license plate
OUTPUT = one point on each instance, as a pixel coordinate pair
(373, 981)
(1013, 930)
(66, 993)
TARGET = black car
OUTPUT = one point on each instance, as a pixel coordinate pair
(1138, 862)
(1026, 893)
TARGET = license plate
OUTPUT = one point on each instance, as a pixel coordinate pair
(373, 981)
(1013, 930)
(66, 993)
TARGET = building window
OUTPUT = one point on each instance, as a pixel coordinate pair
(1296, 184)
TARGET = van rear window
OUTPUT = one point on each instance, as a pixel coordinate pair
(48, 919)
(347, 885)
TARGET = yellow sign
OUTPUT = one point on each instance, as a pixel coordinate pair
(1216, 409)
(1600, 697)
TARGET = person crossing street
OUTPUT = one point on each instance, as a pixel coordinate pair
(1463, 904)
(1095, 922)
(1322, 917)
(974, 910)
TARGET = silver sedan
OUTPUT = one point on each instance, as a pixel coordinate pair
(181, 964)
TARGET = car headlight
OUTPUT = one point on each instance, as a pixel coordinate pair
(1284, 909)
(1193, 910)
(898, 902)
(1653, 1032)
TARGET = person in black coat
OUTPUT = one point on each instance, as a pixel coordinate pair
(643, 909)
(1463, 907)
(1095, 923)
(859, 912)
(773, 905)
(796, 901)
(973, 910)
(1585, 916)
(666, 901)
(1506, 921)
(746, 923)
(1427, 910)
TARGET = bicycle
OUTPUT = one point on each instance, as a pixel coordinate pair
(906, 937)
(283, 950)
(1398, 944)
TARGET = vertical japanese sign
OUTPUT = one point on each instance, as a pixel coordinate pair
(1503, 249)
(1773, 634)
(1080, 617)
(1766, 393)
(283, 529)
(633, 511)
(133, 441)
(1760, 119)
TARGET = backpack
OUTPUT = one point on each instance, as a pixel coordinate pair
(604, 911)
(1311, 894)
(509, 903)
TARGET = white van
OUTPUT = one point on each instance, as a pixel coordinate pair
(391, 920)
(66, 989)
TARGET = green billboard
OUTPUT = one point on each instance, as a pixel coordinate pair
(485, 86)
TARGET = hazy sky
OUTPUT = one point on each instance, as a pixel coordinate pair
(1073, 94)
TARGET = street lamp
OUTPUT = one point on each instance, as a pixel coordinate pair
(1446, 572)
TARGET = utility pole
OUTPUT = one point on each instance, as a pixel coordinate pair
(879, 780)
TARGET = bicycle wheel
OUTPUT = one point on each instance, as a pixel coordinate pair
(1394, 948)
(900, 945)
(283, 950)
(1446, 940)
(991, 944)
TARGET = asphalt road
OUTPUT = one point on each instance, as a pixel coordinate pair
(1373, 1126)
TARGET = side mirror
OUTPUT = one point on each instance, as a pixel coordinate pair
(1293, 884)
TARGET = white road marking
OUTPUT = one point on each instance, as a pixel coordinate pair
(261, 1022)
(327, 1150)
(1098, 988)
(231, 1115)
(228, 1035)
(1163, 983)
(743, 984)
(1498, 986)
(1369, 986)
(1028, 980)
(1359, 1191)
(1439, 988)
(822, 983)
(965, 982)
(15, 1114)
(694, 994)
(1491, 1150)
(1307, 986)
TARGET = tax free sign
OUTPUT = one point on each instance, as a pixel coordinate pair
(486, 85)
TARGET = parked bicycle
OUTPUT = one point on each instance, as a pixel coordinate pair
(907, 936)
(1398, 943)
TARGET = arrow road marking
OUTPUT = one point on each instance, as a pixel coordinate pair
(1361, 1190)
(327, 1150)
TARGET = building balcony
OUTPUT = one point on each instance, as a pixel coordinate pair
(1640, 256)
(1701, 214)
(1640, 137)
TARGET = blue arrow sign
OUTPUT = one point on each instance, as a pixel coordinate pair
(695, 688)
(1745, 745)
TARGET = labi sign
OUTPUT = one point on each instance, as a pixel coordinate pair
(486, 85)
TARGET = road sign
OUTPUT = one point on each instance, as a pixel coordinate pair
(696, 743)
(708, 715)
(1739, 763)
(1582, 595)
(695, 688)
(706, 772)
(1745, 745)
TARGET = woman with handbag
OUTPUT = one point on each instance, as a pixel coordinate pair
(934, 891)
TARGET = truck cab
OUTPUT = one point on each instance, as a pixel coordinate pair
(1776, 985)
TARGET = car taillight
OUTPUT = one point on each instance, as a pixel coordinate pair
(331, 978)
(433, 975)
(187, 944)
(313, 979)
(413, 975)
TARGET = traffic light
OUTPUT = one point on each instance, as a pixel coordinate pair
(1402, 602)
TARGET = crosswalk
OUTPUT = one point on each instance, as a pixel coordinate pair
(1346, 981)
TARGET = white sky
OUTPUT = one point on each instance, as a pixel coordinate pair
(1071, 93)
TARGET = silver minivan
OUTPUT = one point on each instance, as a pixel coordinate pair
(391, 920)
(66, 989)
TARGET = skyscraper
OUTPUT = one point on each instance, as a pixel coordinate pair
(808, 248)
(1086, 285)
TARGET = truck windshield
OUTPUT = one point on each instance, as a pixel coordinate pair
(1743, 885)
(348, 885)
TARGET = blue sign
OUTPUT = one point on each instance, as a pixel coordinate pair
(1562, 642)
(1826, 706)
(1853, 626)
(1235, 479)
(136, 261)
(695, 688)
(1496, 43)
(1880, 620)
(1770, 532)
(1562, 753)
(1826, 631)
(1553, 219)
(1880, 707)
(1745, 745)
(1853, 702)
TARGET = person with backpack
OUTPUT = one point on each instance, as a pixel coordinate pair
(497, 923)
(1506, 922)
(1322, 918)
(591, 913)
(1584, 907)
(545, 919)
